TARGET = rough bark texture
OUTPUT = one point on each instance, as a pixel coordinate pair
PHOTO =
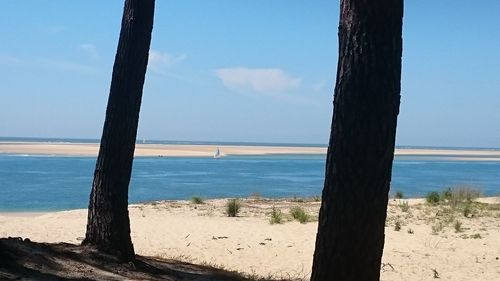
(108, 225)
(350, 237)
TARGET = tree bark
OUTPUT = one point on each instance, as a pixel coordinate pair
(350, 238)
(108, 225)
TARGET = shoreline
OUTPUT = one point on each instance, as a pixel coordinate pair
(307, 199)
(191, 150)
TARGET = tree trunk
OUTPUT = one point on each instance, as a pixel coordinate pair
(350, 238)
(108, 225)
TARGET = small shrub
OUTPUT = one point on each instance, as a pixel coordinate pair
(435, 273)
(276, 216)
(410, 231)
(232, 207)
(476, 236)
(397, 225)
(458, 226)
(438, 227)
(405, 207)
(460, 195)
(447, 194)
(399, 195)
(492, 206)
(448, 216)
(469, 194)
(317, 198)
(197, 200)
(433, 197)
(467, 210)
(464, 236)
(299, 214)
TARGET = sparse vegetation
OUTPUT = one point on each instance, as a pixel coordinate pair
(397, 225)
(405, 207)
(491, 207)
(448, 215)
(433, 197)
(476, 236)
(462, 199)
(299, 214)
(435, 273)
(467, 211)
(276, 216)
(448, 222)
(233, 207)
(445, 208)
(454, 197)
(460, 195)
(197, 200)
(447, 194)
(436, 228)
(399, 195)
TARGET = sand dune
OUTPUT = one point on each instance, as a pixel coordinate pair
(249, 243)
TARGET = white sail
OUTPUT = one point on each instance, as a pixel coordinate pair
(217, 154)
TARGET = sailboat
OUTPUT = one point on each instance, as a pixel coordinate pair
(217, 154)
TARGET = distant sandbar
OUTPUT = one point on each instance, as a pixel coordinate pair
(181, 150)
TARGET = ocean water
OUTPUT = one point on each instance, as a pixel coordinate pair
(36, 183)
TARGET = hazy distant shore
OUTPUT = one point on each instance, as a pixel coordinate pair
(164, 150)
(204, 150)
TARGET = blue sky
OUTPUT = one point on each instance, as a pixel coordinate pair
(244, 70)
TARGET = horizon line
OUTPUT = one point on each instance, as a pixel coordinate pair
(225, 142)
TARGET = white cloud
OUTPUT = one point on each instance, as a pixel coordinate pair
(263, 80)
(90, 49)
(64, 66)
(319, 86)
(159, 60)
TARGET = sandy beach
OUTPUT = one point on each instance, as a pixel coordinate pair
(178, 150)
(151, 150)
(427, 242)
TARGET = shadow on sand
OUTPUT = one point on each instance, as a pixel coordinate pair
(26, 260)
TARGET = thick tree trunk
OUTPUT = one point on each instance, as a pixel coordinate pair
(350, 237)
(108, 225)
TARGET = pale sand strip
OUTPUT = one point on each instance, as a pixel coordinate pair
(249, 243)
(168, 150)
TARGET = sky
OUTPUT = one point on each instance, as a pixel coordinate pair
(254, 71)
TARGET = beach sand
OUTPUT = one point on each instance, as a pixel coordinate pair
(165, 150)
(426, 244)
(180, 150)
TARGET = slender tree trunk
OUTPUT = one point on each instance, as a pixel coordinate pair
(108, 225)
(350, 237)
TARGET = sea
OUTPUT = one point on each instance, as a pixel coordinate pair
(49, 183)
